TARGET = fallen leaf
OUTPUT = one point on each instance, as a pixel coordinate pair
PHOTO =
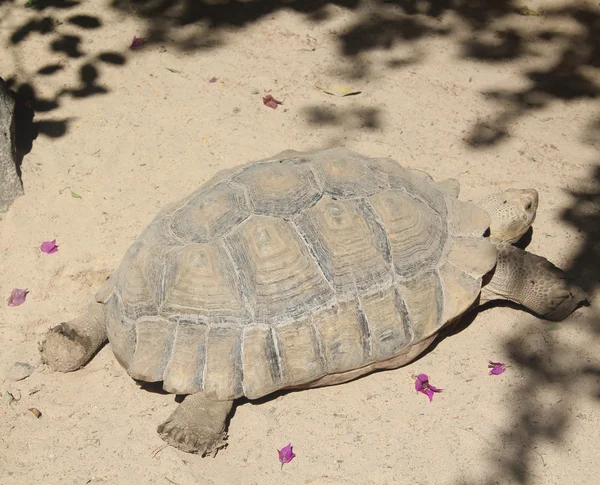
(75, 196)
(271, 102)
(286, 454)
(213, 80)
(36, 412)
(422, 385)
(17, 296)
(162, 49)
(338, 90)
(137, 42)
(49, 247)
(529, 12)
(173, 70)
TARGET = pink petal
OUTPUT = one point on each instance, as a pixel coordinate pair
(497, 368)
(137, 42)
(17, 296)
(49, 247)
(270, 101)
(422, 385)
(286, 454)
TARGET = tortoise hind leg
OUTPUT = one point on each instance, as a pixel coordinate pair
(197, 425)
(69, 346)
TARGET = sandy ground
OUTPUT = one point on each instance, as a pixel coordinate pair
(508, 100)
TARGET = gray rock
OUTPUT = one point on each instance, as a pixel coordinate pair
(19, 371)
(10, 183)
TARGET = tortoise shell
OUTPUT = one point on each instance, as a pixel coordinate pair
(294, 270)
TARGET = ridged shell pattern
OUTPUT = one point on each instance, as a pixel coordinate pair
(285, 270)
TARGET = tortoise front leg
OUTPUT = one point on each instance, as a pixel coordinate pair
(533, 282)
(197, 425)
(69, 346)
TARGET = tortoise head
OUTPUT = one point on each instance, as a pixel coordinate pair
(512, 212)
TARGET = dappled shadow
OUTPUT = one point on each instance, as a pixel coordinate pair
(486, 32)
(24, 130)
(43, 21)
(383, 30)
(27, 130)
(564, 79)
(584, 214)
(348, 118)
(558, 373)
(555, 378)
(501, 31)
(163, 15)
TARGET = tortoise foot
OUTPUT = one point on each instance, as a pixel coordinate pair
(198, 425)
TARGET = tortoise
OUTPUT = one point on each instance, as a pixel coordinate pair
(303, 270)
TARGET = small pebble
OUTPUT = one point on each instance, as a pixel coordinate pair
(8, 398)
(19, 371)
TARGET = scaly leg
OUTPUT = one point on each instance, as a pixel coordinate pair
(69, 346)
(197, 425)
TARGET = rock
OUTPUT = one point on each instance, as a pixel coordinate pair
(10, 183)
(8, 398)
(19, 371)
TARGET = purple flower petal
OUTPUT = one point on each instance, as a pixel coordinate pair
(17, 296)
(286, 454)
(213, 80)
(271, 102)
(496, 368)
(49, 247)
(422, 385)
(137, 42)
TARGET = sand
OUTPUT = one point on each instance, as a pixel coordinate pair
(495, 98)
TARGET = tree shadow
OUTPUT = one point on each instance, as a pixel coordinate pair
(564, 79)
(551, 365)
(548, 368)
(487, 32)
(496, 31)
(584, 215)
